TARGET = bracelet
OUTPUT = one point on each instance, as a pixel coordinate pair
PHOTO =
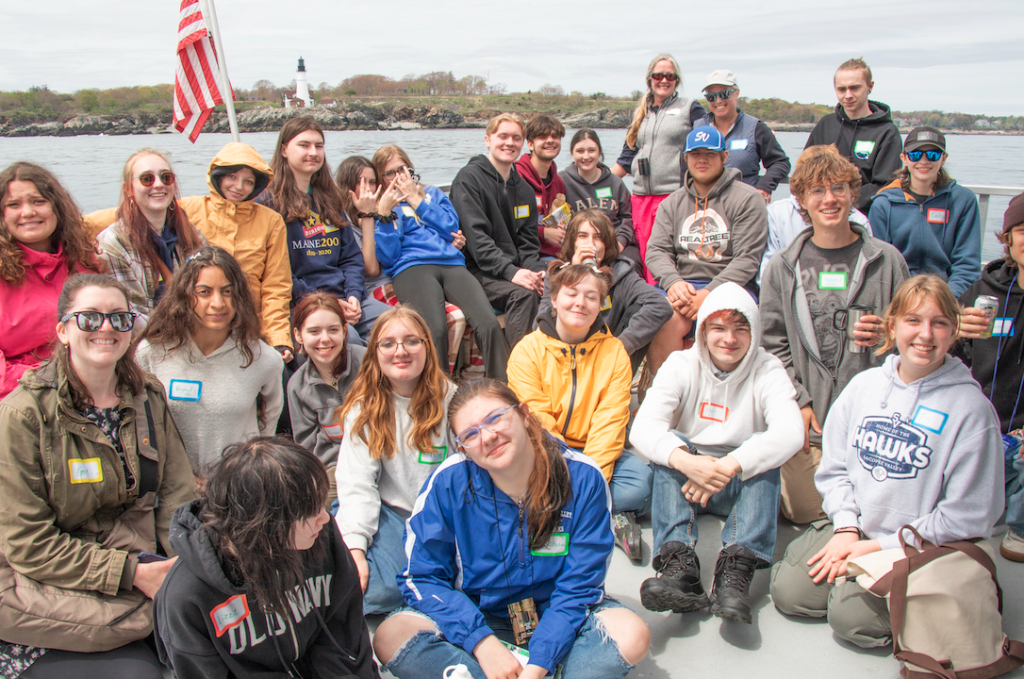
(365, 215)
(847, 529)
(387, 219)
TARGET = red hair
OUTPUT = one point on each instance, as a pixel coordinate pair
(322, 300)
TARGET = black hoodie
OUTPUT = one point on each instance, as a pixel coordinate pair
(498, 218)
(205, 627)
(997, 363)
(873, 144)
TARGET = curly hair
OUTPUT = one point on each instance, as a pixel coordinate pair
(287, 198)
(822, 166)
(70, 233)
(605, 233)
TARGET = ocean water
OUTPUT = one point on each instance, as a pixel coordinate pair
(90, 166)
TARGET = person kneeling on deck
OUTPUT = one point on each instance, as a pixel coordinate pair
(719, 421)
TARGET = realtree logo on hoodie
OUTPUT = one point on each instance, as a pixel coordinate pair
(230, 616)
(704, 235)
(890, 448)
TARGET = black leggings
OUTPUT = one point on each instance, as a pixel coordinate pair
(134, 661)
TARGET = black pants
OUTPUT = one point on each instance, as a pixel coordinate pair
(134, 661)
(519, 305)
(425, 287)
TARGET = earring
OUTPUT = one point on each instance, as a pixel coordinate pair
(173, 206)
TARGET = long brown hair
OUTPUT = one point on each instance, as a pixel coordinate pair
(315, 301)
(384, 155)
(70, 233)
(140, 231)
(129, 374)
(375, 423)
(288, 200)
(174, 321)
(347, 178)
(648, 99)
(549, 486)
(605, 231)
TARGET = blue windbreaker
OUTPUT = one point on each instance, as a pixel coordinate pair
(420, 236)
(462, 527)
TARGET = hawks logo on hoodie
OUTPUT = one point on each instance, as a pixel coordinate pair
(705, 234)
(890, 448)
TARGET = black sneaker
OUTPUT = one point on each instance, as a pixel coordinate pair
(677, 587)
(730, 597)
(627, 534)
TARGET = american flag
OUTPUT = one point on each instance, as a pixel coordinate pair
(196, 88)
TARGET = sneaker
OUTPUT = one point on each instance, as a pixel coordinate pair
(1012, 546)
(730, 596)
(627, 534)
(677, 587)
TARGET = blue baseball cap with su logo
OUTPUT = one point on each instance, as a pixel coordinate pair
(706, 137)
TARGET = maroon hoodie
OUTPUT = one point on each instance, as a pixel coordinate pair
(545, 196)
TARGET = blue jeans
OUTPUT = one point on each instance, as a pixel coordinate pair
(631, 485)
(1014, 471)
(593, 654)
(360, 332)
(386, 558)
(752, 507)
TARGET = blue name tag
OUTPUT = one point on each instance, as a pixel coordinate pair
(738, 144)
(932, 420)
(1003, 327)
(184, 390)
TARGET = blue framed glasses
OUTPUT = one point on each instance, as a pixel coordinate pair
(933, 155)
(472, 437)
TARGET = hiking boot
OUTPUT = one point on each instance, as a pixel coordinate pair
(627, 534)
(1012, 546)
(730, 596)
(677, 587)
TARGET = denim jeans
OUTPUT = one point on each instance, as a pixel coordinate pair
(386, 559)
(631, 485)
(594, 655)
(1014, 471)
(752, 507)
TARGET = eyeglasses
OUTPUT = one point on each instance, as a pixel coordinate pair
(390, 174)
(933, 155)
(147, 179)
(91, 321)
(658, 77)
(411, 344)
(839, 190)
(712, 97)
(471, 438)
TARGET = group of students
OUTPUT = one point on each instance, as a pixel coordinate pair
(148, 353)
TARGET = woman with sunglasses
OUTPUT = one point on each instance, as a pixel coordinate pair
(152, 236)
(42, 241)
(395, 428)
(93, 464)
(654, 142)
(931, 219)
(203, 342)
(415, 230)
(521, 523)
(749, 141)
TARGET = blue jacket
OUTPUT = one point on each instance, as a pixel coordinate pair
(940, 236)
(462, 527)
(421, 236)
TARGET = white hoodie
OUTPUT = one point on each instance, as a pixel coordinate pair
(751, 414)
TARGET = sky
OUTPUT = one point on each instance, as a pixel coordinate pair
(946, 55)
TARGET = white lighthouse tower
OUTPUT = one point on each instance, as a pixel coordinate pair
(302, 98)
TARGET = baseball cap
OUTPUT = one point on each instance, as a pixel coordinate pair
(920, 137)
(721, 77)
(706, 137)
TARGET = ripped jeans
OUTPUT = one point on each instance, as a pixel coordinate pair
(594, 655)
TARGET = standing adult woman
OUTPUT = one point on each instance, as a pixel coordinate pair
(265, 587)
(89, 449)
(589, 184)
(152, 236)
(415, 228)
(203, 342)
(42, 242)
(517, 497)
(926, 402)
(654, 142)
(395, 419)
(931, 219)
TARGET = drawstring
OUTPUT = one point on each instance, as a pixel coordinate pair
(277, 647)
(703, 218)
(888, 389)
(999, 350)
(323, 626)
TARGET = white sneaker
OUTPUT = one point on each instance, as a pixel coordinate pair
(1012, 546)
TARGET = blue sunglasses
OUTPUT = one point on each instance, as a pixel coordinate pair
(932, 155)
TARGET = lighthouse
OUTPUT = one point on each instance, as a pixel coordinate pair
(301, 98)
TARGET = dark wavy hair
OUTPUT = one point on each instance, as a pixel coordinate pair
(70, 233)
(288, 200)
(254, 495)
(347, 178)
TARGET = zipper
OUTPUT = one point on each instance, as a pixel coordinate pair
(572, 395)
(522, 554)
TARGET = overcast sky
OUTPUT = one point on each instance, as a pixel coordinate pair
(946, 55)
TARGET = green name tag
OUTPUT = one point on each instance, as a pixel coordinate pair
(558, 545)
(863, 149)
(832, 280)
(436, 457)
(606, 192)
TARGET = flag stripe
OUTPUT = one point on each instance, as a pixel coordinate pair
(196, 89)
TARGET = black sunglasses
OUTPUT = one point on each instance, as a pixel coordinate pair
(671, 77)
(712, 97)
(91, 321)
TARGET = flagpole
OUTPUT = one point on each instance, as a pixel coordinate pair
(225, 85)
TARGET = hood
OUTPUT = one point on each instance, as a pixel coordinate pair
(546, 324)
(951, 373)
(895, 193)
(197, 549)
(232, 157)
(730, 175)
(45, 264)
(483, 164)
(528, 172)
(880, 113)
(574, 173)
(621, 267)
(729, 296)
(999, 275)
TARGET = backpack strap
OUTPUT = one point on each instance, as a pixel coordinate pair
(149, 468)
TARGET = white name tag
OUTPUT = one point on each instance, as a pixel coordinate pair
(713, 411)
(932, 420)
(832, 280)
(558, 545)
(230, 614)
(673, 112)
(936, 215)
(184, 390)
(522, 211)
(1003, 327)
(436, 456)
(408, 211)
(333, 431)
(88, 470)
(738, 144)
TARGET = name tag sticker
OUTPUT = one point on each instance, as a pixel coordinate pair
(932, 420)
(863, 149)
(408, 211)
(832, 280)
(184, 390)
(936, 215)
(738, 144)
(673, 112)
(88, 470)
(605, 192)
(713, 411)
(558, 545)
(333, 431)
(607, 303)
(230, 614)
(539, 199)
(1003, 327)
(330, 228)
(522, 211)
(436, 456)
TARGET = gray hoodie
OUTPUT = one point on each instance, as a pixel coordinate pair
(312, 402)
(786, 318)
(928, 454)
(718, 238)
(608, 194)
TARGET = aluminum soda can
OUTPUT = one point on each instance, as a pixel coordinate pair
(989, 305)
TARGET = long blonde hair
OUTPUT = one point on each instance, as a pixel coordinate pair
(911, 294)
(648, 99)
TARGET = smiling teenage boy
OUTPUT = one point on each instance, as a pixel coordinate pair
(544, 138)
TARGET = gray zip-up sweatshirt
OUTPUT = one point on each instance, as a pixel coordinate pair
(312, 402)
(717, 238)
(786, 318)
